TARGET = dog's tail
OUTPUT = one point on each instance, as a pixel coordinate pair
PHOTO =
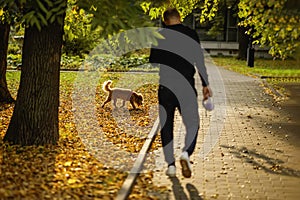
(106, 86)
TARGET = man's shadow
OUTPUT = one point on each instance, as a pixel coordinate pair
(179, 192)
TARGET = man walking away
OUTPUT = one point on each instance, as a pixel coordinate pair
(177, 55)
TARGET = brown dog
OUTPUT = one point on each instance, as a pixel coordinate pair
(121, 93)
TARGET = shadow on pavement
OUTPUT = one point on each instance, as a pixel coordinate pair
(262, 162)
(179, 192)
(292, 107)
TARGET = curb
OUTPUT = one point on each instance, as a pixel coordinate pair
(276, 92)
(128, 184)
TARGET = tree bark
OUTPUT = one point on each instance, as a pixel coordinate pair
(35, 116)
(243, 43)
(5, 96)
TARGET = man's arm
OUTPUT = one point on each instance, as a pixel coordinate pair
(200, 65)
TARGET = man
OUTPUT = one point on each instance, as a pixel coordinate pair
(177, 55)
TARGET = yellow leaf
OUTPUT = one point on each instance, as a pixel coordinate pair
(78, 185)
(68, 164)
(72, 180)
(276, 28)
(289, 27)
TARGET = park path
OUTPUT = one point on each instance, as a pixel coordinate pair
(243, 150)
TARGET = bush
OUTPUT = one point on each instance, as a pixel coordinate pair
(14, 60)
(14, 48)
(71, 62)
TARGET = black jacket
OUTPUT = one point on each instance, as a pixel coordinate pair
(180, 49)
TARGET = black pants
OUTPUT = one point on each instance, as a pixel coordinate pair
(186, 101)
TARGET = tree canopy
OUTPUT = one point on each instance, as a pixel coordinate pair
(273, 23)
(110, 15)
(156, 8)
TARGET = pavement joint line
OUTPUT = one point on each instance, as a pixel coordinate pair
(128, 184)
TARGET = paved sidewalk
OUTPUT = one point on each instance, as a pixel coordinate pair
(242, 151)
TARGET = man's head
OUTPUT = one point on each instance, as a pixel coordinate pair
(171, 16)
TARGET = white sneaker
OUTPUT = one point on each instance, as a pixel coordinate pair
(171, 171)
(185, 165)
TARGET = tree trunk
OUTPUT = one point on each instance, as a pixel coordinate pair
(5, 96)
(243, 43)
(35, 116)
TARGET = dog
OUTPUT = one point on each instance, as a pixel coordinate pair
(121, 93)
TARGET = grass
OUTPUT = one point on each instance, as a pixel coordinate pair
(287, 69)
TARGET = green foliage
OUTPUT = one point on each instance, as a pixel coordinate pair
(13, 60)
(37, 13)
(209, 10)
(3, 15)
(113, 16)
(128, 63)
(136, 61)
(217, 18)
(87, 22)
(155, 9)
(71, 62)
(14, 48)
(272, 23)
(79, 37)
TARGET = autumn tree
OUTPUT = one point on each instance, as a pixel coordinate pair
(5, 95)
(35, 116)
(274, 24)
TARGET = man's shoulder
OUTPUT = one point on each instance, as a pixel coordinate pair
(191, 32)
(182, 28)
(179, 28)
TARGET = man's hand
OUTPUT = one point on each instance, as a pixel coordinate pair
(206, 92)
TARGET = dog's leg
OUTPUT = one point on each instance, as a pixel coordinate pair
(123, 103)
(115, 102)
(132, 103)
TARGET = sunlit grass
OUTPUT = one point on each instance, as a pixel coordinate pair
(262, 67)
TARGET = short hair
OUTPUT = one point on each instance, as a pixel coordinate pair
(170, 13)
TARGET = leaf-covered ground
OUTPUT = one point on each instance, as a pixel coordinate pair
(73, 169)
